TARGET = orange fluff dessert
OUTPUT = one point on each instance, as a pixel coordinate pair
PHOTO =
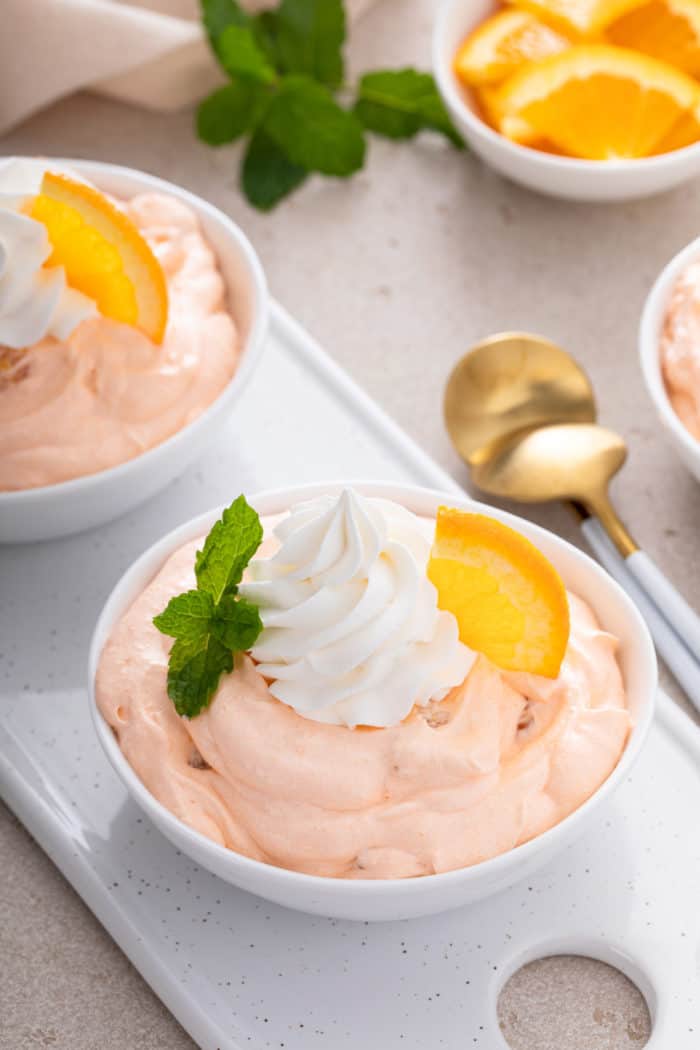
(114, 327)
(351, 691)
(594, 79)
(680, 349)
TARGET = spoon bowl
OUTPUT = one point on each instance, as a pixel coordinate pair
(508, 384)
(560, 462)
(521, 413)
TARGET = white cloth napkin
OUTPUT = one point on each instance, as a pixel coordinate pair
(149, 52)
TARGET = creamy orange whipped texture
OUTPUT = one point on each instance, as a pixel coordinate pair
(503, 757)
(106, 393)
(680, 349)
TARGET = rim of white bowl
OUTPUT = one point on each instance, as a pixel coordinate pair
(449, 88)
(650, 329)
(153, 558)
(250, 354)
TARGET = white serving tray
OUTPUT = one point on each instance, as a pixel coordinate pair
(237, 972)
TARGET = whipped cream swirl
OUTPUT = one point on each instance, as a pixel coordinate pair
(352, 631)
(35, 301)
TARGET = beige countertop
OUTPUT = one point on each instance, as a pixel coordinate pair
(396, 273)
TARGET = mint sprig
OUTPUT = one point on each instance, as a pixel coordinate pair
(218, 15)
(212, 623)
(312, 130)
(241, 56)
(398, 103)
(286, 67)
(268, 174)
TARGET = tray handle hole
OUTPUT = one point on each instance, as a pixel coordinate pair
(572, 1001)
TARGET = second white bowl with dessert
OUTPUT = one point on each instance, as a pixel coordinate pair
(414, 728)
(669, 350)
(132, 314)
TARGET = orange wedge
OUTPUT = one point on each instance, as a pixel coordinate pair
(665, 29)
(103, 254)
(683, 133)
(579, 17)
(508, 599)
(514, 128)
(599, 102)
(502, 43)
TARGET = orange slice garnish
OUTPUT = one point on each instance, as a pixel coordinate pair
(103, 254)
(508, 599)
(581, 17)
(665, 29)
(502, 43)
(598, 102)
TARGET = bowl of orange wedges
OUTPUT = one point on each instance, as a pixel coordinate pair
(581, 99)
(134, 316)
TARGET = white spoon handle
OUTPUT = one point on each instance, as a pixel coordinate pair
(684, 620)
(680, 661)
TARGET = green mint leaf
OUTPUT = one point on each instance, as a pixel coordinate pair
(186, 616)
(313, 131)
(237, 623)
(228, 113)
(265, 29)
(210, 623)
(227, 549)
(241, 56)
(436, 118)
(218, 15)
(399, 103)
(308, 37)
(194, 671)
(267, 174)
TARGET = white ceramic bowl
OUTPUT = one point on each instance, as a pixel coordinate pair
(567, 177)
(71, 506)
(394, 898)
(650, 330)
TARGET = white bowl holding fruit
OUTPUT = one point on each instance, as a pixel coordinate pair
(559, 176)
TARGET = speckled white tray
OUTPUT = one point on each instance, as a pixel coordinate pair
(238, 972)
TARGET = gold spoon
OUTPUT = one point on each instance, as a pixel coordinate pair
(510, 383)
(507, 386)
(521, 412)
(564, 461)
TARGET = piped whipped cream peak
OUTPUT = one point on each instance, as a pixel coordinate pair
(35, 300)
(352, 630)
